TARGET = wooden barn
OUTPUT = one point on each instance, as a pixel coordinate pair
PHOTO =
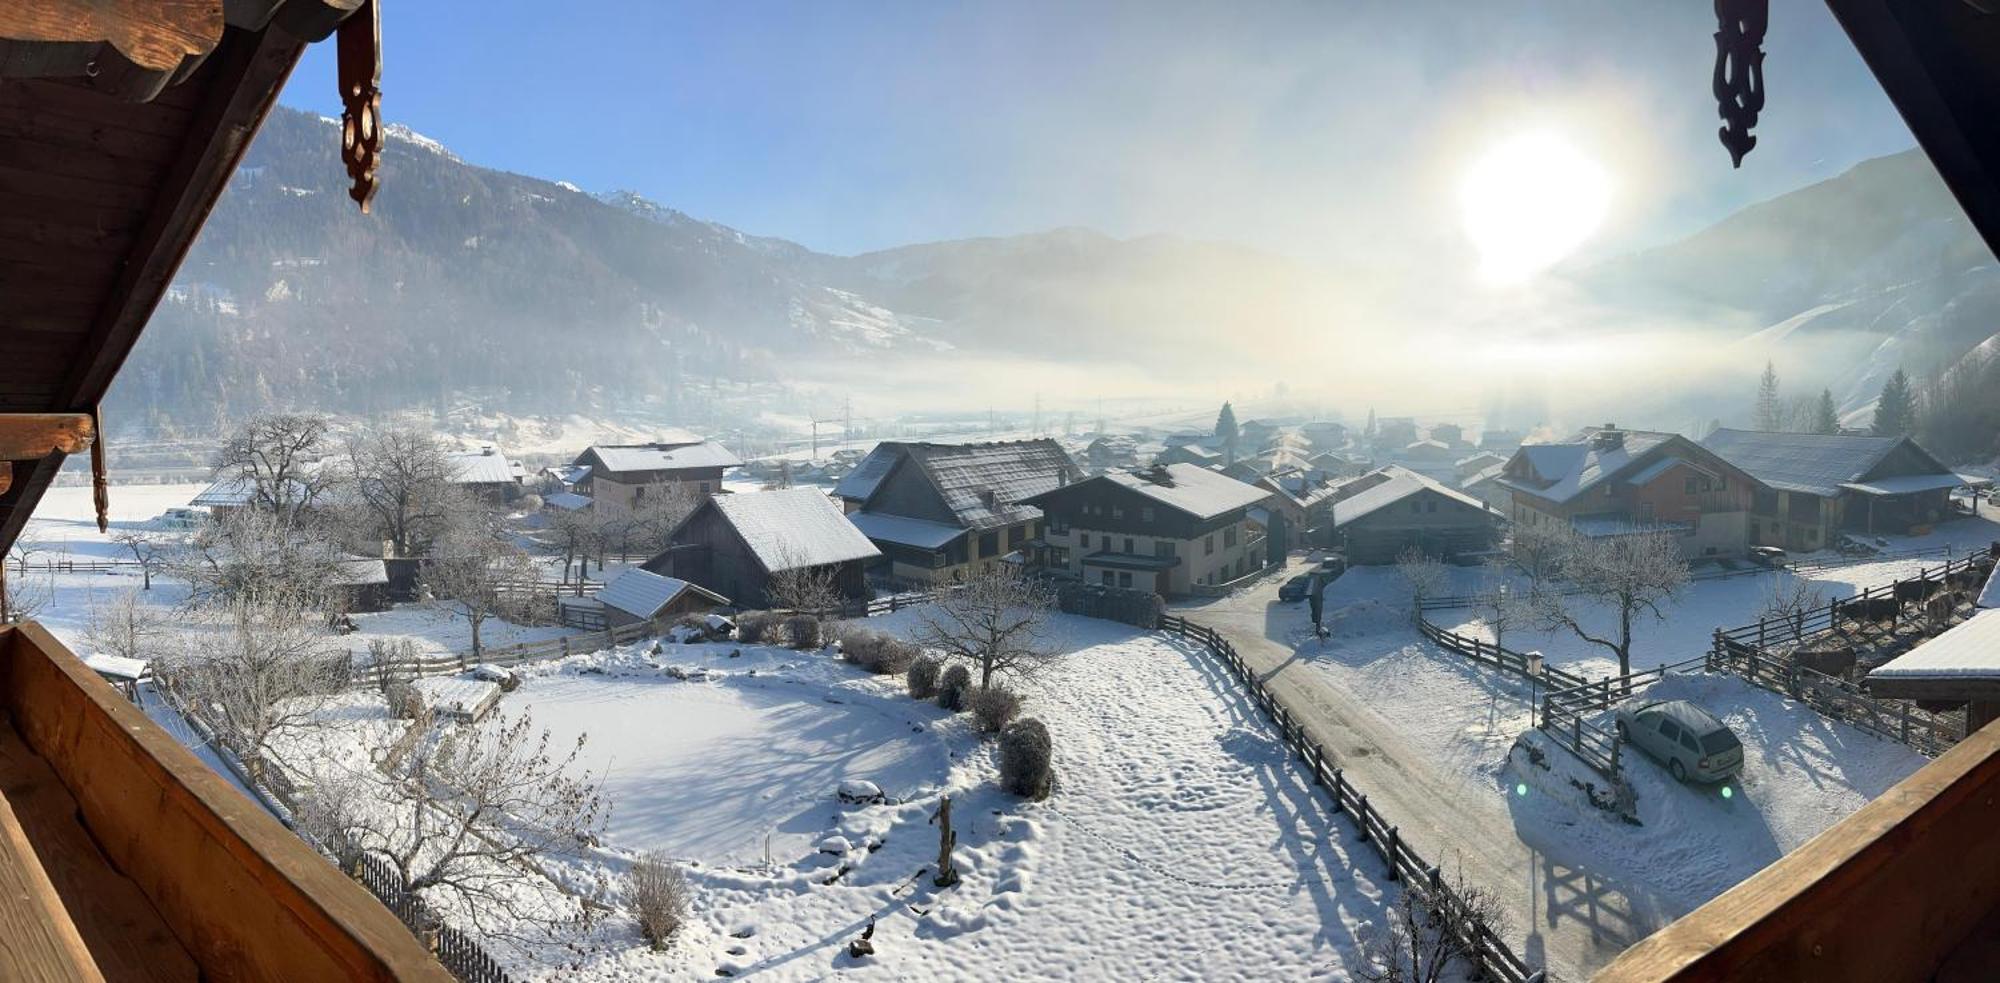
(640, 596)
(1391, 509)
(734, 544)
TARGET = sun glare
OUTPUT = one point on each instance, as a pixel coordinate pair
(1529, 203)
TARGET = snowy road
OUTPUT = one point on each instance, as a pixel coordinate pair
(1573, 921)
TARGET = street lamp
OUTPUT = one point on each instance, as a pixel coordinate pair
(1534, 684)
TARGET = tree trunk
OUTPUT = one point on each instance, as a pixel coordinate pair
(1625, 644)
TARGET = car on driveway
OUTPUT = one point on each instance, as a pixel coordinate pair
(1768, 556)
(1689, 741)
(1296, 588)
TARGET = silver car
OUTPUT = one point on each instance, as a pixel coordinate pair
(1687, 739)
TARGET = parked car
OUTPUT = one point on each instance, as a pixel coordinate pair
(180, 518)
(1768, 556)
(1689, 741)
(1296, 588)
(1333, 566)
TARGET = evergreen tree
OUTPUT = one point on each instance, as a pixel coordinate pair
(1896, 411)
(1768, 415)
(1369, 430)
(1826, 419)
(1226, 431)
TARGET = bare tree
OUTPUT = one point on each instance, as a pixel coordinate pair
(267, 557)
(1788, 598)
(803, 587)
(250, 668)
(1500, 603)
(1425, 576)
(401, 481)
(997, 621)
(1630, 575)
(146, 549)
(1538, 548)
(487, 576)
(577, 533)
(1430, 935)
(277, 458)
(127, 627)
(22, 593)
(473, 807)
(645, 526)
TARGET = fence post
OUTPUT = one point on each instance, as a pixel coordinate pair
(1338, 785)
(1361, 815)
(1395, 840)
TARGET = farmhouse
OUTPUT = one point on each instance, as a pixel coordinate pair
(941, 511)
(734, 544)
(1111, 451)
(621, 475)
(487, 474)
(1167, 528)
(1605, 481)
(636, 596)
(1187, 454)
(1392, 509)
(1486, 486)
(1817, 486)
(1302, 501)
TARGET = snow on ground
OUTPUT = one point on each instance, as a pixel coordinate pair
(1802, 773)
(1179, 843)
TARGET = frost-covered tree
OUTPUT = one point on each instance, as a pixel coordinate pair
(995, 621)
(147, 550)
(486, 577)
(1896, 411)
(126, 627)
(1768, 414)
(1424, 575)
(1431, 936)
(803, 587)
(1826, 417)
(270, 557)
(249, 667)
(1629, 575)
(277, 458)
(1227, 432)
(400, 481)
(1500, 603)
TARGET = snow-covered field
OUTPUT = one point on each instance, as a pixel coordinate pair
(1179, 842)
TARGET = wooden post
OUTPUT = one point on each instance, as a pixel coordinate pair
(1395, 839)
(947, 874)
(1361, 815)
(1338, 789)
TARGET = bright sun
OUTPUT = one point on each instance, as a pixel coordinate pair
(1530, 202)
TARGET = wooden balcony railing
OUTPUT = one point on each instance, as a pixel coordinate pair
(1906, 888)
(124, 857)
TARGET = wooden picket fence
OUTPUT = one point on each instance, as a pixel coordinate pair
(1839, 699)
(506, 655)
(1772, 632)
(1491, 956)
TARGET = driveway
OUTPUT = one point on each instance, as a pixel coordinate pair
(1564, 918)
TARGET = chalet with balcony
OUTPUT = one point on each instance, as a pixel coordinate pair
(939, 512)
(1815, 487)
(1608, 481)
(1172, 529)
(620, 476)
(1379, 515)
(733, 545)
(122, 855)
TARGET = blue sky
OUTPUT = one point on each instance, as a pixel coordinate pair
(1333, 132)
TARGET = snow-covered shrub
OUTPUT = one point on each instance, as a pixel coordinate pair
(803, 631)
(860, 646)
(923, 677)
(952, 687)
(993, 706)
(759, 628)
(403, 699)
(1026, 758)
(656, 895)
(896, 656)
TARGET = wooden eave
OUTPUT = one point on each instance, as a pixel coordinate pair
(106, 178)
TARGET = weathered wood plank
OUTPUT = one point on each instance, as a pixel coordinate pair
(38, 942)
(24, 436)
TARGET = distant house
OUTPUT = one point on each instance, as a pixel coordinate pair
(1487, 487)
(942, 511)
(1303, 499)
(1606, 481)
(1187, 454)
(1449, 434)
(362, 584)
(487, 474)
(1816, 486)
(734, 544)
(1395, 431)
(621, 475)
(1379, 515)
(1476, 463)
(1499, 441)
(1324, 435)
(1165, 528)
(636, 596)
(1111, 451)
(232, 493)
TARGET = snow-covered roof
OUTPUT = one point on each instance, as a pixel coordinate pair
(358, 571)
(1190, 488)
(794, 527)
(663, 456)
(482, 467)
(644, 594)
(920, 533)
(1989, 596)
(1484, 475)
(1969, 650)
(982, 483)
(1487, 456)
(1580, 463)
(1303, 487)
(1904, 484)
(116, 666)
(457, 695)
(1816, 464)
(1394, 484)
(568, 474)
(567, 501)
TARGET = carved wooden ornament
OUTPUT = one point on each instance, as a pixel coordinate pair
(359, 52)
(1739, 71)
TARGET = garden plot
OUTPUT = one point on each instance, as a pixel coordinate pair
(1179, 842)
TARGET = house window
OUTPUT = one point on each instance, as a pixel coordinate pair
(1128, 544)
(1145, 513)
(1107, 578)
(639, 493)
(989, 543)
(1229, 536)
(1208, 545)
(702, 487)
(1016, 535)
(1124, 579)
(1431, 505)
(1058, 527)
(1687, 485)
(1083, 540)
(1163, 547)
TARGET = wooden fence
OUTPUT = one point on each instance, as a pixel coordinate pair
(1839, 699)
(1786, 630)
(506, 655)
(1490, 955)
(1489, 653)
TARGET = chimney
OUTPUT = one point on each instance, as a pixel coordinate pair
(1609, 437)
